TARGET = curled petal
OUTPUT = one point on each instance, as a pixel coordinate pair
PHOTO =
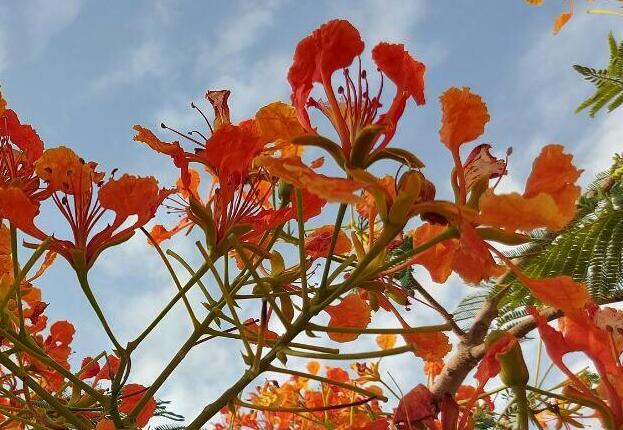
(332, 46)
(318, 242)
(193, 185)
(490, 365)
(464, 116)
(351, 312)
(399, 66)
(481, 164)
(292, 170)
(173, 149)
(561, 21)
(218, 100)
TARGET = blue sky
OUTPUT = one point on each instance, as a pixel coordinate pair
(83, 72)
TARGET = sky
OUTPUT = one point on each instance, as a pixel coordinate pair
(83, 72)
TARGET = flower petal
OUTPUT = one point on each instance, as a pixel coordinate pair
(351, 312)
(398, 65)
(464, 116)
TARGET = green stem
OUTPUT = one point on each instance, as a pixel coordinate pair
(352, 356)
(338, 225)
(86, 289)
(422, 329)
(41, 392)
(301, 247)
(176, 281)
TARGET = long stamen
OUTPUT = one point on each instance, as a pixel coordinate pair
(163, 125)
(194, 106)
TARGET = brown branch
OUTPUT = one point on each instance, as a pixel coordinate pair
(471, 349)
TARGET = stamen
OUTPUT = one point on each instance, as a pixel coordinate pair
(194, 106)
(163, 125)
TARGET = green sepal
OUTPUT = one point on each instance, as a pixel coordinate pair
(396, 154)
(328, 145)
(363, 144)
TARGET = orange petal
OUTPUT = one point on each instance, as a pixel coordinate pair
(3, 104)
(21, 135)
(333, 46)
(64, 171)
(312, 204)
(131, 394)
(253, 331)
(473, 261)
(386, 341)
(62, 332)
(173, 149)
(351, 312)
(292, 170)
(218, 100)
(561, 292)
(313, 367)
(438, 259)
(516, 212)
(192, 187)
(430, 346)
(20, 211)
(318, 242)
(561, 21)
(416, 406)
(105, 425)
(490, 364)
(278, 121)
(398, 65)
(464, 116)
(132, 195)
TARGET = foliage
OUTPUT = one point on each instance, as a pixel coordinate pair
(608, 81)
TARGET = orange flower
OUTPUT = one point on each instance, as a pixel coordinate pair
(70, 181)
(438, 259)
(548, 201)
(351, 312)
(464, 116)
(331, 47)
(131, 394)
(318, 242)
(334, 46)
(292, 170)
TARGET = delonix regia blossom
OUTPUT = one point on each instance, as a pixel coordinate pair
(271, 271)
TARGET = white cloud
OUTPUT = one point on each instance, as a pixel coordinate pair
(145, 60)
(45, 19)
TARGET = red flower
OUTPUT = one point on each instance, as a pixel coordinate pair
(334, 46)
(73, 185)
